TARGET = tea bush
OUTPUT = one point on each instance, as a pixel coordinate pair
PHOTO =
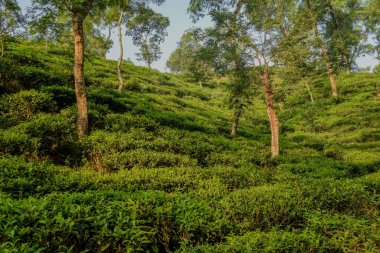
(159, 171)
(26, 104)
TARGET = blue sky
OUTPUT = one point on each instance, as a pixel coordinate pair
(180, 21)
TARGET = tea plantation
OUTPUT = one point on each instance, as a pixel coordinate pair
(159, 171)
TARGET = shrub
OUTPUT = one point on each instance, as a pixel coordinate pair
(15, 143)
(62, 222)
(21, 179)
(124, 122)
(133, 85)
(107, 97)
(26, 104)
(63, 96)
(54, 137)
(143, 159)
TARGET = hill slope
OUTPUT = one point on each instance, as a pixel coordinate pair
(159, 171)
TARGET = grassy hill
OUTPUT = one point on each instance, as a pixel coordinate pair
(160, 173)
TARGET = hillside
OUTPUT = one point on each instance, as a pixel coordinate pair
(159, 171)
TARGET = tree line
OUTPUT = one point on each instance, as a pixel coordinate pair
(252, 40)
(249, 42)
(58, 21)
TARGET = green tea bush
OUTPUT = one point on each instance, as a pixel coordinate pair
(63, 96)
(264, 207)
(197, 222)
(144, 159)
(53, 137)
(133, 85)
(107, 97)
(21, 179)
(62, 222)
(371, 182)
(26, 104)
(274, 240)
(124, 122)
(15, 143)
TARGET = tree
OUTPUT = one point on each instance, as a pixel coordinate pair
(296, 56)
(108, 22)
(266, 34)
(192, 57)
(231, 57)
(371, 17)
(45, 25)
(252, 40)
(118, 14)
(148, 31)
(78, 10)
(10, 20)
(322, 45)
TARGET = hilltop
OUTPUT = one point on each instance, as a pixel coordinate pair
(160, 172)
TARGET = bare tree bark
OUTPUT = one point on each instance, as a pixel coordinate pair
(235, 122)
(238, 64)
(2, 45)
(273, 120)
(324, 50)
(80, 90)
(309, 90)
(121, 52)
(107, 41)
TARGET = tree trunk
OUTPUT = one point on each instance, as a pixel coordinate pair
(309, 91)
(107, 41)
(80, 90)
(273, 120)
(200, 83)
(121, 52)
(329, 70)
(324, 50)
(2, 45)
(235, 122)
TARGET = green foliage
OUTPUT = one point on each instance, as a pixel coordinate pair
(159, 172)
(26, 104)
(148, 31)
(63, 96)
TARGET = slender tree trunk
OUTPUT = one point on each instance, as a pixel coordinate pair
(273, 120)
(329, 70)
(80, 90)
(149, 64)
(324, 50)
(121, 52)
(309, 90)
(108, 39)
(200, 83)
(2, 45)
(235, 122)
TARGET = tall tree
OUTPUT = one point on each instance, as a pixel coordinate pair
(371, 17)
(44, 24)
(226, 37)
(253, 39)
(10, 20)
(119, 14)
(192, 57)
(108, 21)
(338, 32)
(323, 47)
(78, 10)
(148, 31)
(266, 35)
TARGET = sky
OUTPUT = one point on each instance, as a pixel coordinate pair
(180, 21)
